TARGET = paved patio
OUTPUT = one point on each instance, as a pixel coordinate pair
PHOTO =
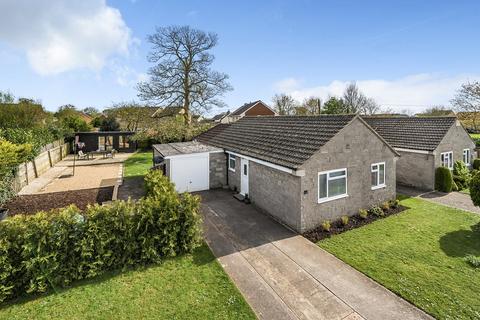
(95, 173)
(454, 199)
(284, 276)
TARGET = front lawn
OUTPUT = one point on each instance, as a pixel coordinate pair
(419, 254)
(138, 164)
(187, 287)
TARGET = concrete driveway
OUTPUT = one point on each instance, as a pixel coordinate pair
(284, 276)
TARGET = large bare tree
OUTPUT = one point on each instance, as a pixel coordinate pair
(467, 99)
(356, 102)
(181, 75)
(284, 104)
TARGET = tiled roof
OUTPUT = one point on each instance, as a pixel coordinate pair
(283, 140)
(220, 116)
(417, 133)
(244, 108)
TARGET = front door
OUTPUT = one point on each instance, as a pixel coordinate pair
(244, 177)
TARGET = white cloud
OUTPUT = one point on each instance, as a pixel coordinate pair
(287, 85)
(414, 92)
(61, 35)
(124, 75)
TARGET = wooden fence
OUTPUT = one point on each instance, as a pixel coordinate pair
(49, 156)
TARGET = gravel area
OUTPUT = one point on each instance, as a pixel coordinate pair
(33, 203)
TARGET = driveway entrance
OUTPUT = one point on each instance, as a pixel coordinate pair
(284, 276)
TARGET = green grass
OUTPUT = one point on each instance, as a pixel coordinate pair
(187, 287)
(475, 135)
(137, 164)
(419, 255)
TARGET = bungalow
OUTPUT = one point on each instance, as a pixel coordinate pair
(300, 170)
(424, 144)
(251, 109)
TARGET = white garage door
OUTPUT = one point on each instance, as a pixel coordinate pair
(190, 172)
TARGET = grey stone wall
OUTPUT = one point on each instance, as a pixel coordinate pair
(218, 170)
(275, 192)
(234, 177)
(455, 140)
(416, 170)
(355, 147)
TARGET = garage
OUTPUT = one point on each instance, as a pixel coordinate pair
(187, 164)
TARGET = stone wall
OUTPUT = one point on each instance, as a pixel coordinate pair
(456, 140)
(275, 192)
(416, 170)
(355, 147)
(218, 170)
(30, 170)
(234, 176)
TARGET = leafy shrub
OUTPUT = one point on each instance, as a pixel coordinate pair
(443, 179)
(473, 261)
(461, 175)
(345, 220)
(476, 164)
(475, 188)
(363, 213)
(394, 203)
(53, 249)
(377, 211)
(326, 226)
(385, 206)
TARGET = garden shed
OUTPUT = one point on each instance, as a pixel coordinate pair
(191, 166)
(105, 140)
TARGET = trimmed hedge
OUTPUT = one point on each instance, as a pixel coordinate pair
(443, 179)
(475, 188)
(52, 249)
(476, 164)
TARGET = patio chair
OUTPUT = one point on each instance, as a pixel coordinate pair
(82, 155)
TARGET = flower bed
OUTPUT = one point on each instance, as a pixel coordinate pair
(33, 203)
(355, 221)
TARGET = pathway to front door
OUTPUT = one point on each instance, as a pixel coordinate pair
(284, 276)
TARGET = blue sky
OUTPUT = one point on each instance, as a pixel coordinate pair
(405, 54)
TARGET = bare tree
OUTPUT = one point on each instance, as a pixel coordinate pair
(356, 102)
(467, 99)
(312, 105)
(182, 75)
(284, 104)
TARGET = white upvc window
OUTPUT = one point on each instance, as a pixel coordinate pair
(232, 160)
(447, 159)
(378, 175)
(466, 156)
(332, 185)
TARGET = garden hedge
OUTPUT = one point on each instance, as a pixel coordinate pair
(443, 179)
(52, 249)
(476, 164)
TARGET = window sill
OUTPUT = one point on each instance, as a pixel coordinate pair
(230, 169)
(379, 187)
(323, 200)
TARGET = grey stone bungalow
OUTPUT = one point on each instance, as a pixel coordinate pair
(424, 144)
(300, 170)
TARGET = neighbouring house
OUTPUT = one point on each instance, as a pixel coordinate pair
(301, 170)
(424, 144)
(256, 108)
(105, 140)
(219, 117)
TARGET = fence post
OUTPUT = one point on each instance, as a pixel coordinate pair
(26, 172)
(50, 159)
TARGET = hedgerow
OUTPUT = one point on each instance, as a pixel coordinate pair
(52, 249)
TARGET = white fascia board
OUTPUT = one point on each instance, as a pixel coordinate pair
(188, 155)
(269, 164)
(413, 151)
